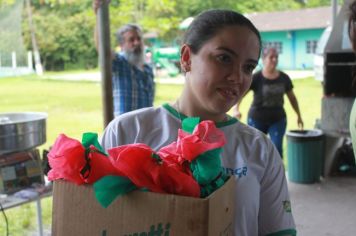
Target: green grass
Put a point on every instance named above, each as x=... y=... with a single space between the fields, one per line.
x=70 y=72
x=75 y=107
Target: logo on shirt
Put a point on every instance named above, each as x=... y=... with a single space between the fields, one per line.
x=239 y=172
x=287 y=206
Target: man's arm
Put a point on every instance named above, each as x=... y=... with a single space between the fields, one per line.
x=96 y=5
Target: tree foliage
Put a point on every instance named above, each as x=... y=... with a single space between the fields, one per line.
x=64 y=28
x=64 y=34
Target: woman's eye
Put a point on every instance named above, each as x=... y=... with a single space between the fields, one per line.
x=249 y=69
x=224 y=58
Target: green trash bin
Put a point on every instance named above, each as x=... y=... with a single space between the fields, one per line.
x=305 y=155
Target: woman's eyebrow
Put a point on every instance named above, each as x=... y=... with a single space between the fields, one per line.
x=253 y=61
x=227 y=50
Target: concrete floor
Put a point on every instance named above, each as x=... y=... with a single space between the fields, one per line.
x=326 y=208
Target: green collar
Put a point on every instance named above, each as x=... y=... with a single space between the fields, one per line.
x=175 y=113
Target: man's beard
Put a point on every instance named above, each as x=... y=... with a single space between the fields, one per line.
x=135 y=56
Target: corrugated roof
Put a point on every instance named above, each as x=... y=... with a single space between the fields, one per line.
x=309 y=18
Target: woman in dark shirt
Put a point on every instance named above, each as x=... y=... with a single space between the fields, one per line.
x=266 y=112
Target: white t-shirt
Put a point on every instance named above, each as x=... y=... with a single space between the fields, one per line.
x=262 y=202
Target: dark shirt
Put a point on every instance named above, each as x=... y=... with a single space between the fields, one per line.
x=267 y=104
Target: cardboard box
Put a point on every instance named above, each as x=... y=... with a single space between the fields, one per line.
x=77 y=212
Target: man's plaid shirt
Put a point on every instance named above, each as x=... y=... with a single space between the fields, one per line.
x=132 y=88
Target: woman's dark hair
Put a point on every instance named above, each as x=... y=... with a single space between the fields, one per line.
x=208 y=23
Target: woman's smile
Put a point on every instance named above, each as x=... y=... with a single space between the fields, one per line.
x=228 y=93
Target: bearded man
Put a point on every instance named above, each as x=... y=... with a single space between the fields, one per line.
x=132 y=78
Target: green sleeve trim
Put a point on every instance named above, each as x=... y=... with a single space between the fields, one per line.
x=181 y=116
x=287 y=232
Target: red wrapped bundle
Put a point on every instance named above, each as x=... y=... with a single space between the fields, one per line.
x=205 y=137
x=100 y=166
x=69 y=160
x=145 y=169
x=166 y=171
x=65 y=160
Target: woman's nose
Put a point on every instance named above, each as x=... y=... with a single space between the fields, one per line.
x=235 y=75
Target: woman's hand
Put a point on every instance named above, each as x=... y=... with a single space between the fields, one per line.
x=300 y=123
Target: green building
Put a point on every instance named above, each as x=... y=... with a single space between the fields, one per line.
x=295 y=34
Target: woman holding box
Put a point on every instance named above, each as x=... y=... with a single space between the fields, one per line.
x=220 y=50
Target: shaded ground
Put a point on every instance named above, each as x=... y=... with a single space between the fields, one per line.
x=327 y=208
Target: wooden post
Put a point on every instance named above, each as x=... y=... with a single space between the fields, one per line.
x=105 y=57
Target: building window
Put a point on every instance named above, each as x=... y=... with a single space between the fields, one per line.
x=273 y=44
x=311 y=46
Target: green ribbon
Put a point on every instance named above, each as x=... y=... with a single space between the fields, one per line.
x=89 y=139
x=109 y=187
x=206 y=168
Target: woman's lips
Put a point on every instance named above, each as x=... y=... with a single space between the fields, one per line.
x=228 y=93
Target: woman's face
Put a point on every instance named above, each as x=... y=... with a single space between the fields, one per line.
x=221 y=72
x=270 y=61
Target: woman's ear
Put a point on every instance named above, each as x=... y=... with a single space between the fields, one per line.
x=185 y=58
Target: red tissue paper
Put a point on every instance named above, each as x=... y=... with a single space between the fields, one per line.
x=165 y=171
x=68 y=159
